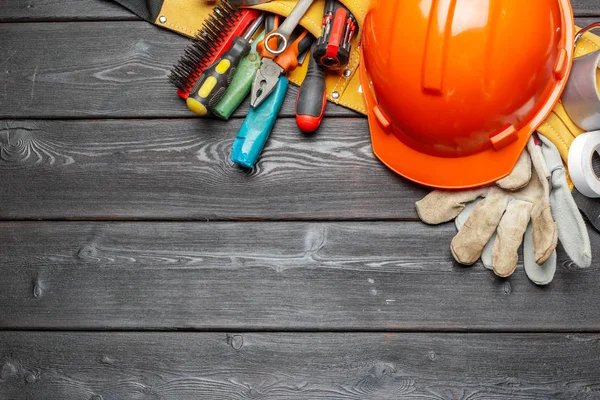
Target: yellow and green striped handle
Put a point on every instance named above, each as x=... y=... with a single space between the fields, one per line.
x=240 y=86
x=215 y=80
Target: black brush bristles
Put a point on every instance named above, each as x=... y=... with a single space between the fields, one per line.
x=205 y=43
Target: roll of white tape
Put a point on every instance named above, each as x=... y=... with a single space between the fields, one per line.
x=580 y=164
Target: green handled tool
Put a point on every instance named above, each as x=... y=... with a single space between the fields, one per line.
x=241 y=84
x=215 y=79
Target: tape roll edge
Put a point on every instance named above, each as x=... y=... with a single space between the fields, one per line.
x=580 y=164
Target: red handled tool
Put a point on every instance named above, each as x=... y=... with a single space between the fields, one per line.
x=312 y=98
x=339 y=27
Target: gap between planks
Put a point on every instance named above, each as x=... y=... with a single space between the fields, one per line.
x=225 y=330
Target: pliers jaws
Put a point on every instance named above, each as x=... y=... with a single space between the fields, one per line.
x=265 y=81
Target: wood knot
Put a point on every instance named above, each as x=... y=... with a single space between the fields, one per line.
x=21 y=145
x=15 y=145
x=507 y=287
x=432 y=356
x=8 y=371
x=384 y=375
x=106 y=360
x=570 y=266
x=147 y=393
x=38 y=289
x=87 y=252
x=384 y=369
x=235 y=341
x=30 y=377
x=96 y=397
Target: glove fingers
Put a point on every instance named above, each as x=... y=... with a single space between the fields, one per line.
x=442 y=206
x=468 y=244
x=520 y=175
x=545 y=237
x=486 y=255
x=464 y=215
x=539 y=274
x=572 y=232
x=510 y=235
x=571 y=228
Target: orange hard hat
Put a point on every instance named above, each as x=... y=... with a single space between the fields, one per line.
x=455 y=88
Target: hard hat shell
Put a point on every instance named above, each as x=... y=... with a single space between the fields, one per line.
x=455 y=88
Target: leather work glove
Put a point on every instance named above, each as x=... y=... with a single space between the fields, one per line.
x=507 y=209
x=572 y=231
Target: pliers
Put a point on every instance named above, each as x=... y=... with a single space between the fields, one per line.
x=272 y=68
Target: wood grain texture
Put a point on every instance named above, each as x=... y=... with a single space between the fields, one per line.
x=319 y=366
x=296 y=276
x=582 y=8
x=96 y=69
x=385 y=276
x=180 y=169
x=36 y=10
x=52 y=10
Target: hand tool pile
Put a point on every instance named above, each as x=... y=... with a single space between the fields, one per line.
x=233 y=56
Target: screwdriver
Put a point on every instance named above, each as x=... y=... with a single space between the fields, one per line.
x=215 y=79
x=312 y=98
x=241 y=84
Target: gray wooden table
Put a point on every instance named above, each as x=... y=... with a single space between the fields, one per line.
x=137 y=263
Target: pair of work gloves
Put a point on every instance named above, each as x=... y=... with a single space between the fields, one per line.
x=533 y=206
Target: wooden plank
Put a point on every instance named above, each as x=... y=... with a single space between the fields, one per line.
x=74 y=366
x=124 y=72
x=291 y=276
x=52 y=10
x=36 y=10
x=180 y=169
x=583 y=8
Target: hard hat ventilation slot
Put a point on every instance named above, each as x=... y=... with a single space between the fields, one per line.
x=504 y=137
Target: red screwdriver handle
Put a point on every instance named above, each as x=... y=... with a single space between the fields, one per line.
x=312 y=98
